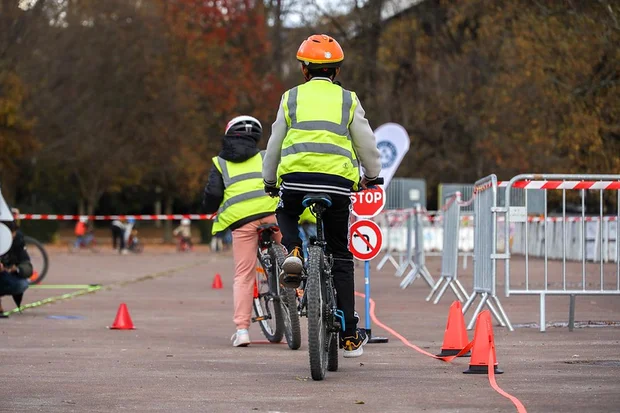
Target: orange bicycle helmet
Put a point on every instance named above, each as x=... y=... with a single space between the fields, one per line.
x=320 y=51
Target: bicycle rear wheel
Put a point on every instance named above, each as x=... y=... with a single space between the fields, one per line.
x=38 y=258
x=332 y=358
x=318 y=338
x=288 y=302
x=267 y=308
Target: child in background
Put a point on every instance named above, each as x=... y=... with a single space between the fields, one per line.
x=83 y=234
x=184 y=233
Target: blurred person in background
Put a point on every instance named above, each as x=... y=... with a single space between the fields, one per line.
x=128 y=232
x=83 y=233
x=15 y=267
x=235 y=192
x=184 y=233
x=118 y=235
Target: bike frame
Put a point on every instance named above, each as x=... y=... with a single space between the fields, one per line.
x=335 y=317
x=265 y=241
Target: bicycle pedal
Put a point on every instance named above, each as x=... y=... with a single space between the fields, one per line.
x=340 y=315
x=261 y=318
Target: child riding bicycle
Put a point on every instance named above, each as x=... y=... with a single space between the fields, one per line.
x=318 y=141
x=184 y=233
x=235 y=191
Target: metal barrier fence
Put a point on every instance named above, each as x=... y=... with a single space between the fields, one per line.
x=598 y=238
x=450 y=252
x=571 y=236
x=417 y=261
x=485 y=252
x=535 y=198
x=392 y=224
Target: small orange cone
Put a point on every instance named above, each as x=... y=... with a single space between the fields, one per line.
x=455 y=337
x=122 y=320
x=484 y=346
x=217 y=282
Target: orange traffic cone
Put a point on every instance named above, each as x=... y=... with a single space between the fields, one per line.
x=217 y=282
x=455 y=337
x=122 y=320
x=483 y=352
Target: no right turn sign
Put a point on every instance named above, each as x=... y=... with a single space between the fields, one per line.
x=365 y=240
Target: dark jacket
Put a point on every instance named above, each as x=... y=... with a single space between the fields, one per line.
x=18 y=256
x=234 y=149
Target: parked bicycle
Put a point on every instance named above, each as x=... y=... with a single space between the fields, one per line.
x=275 y=307
x=318 y=301
x=38 y=258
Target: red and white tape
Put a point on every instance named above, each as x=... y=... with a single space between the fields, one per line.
x=562 y=184
x=52 y=217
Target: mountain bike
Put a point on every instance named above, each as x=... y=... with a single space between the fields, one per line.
x=38 y=259
x=275 y=307
x=318 y=301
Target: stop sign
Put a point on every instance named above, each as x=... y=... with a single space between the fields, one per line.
x=368 y=202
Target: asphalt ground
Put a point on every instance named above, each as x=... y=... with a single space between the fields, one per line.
x=60 y=357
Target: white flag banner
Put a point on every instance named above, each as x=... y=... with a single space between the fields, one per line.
x=6 y=239
x=393 y=144
x=5 y=212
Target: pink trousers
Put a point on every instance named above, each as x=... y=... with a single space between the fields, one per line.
x=245 y=245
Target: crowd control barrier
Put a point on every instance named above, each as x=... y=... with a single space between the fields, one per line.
x=451 y=220
x=485 y=252
x=559 y=240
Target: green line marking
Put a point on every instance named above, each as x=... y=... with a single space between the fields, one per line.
x=54 y=299
x=96 y=287
x=62 y=286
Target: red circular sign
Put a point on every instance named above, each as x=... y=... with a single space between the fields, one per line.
x=369 y=202
x=365 y=239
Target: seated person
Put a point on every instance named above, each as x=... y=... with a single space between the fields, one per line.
x=15 y=267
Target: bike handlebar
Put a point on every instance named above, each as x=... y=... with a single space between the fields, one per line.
x=273 y=191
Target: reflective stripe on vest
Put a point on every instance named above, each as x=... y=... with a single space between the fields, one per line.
x=318 y=115
x=244 y=194
x=339 y=129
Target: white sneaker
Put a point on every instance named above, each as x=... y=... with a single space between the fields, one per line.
x=124 y=252
x=241 y=338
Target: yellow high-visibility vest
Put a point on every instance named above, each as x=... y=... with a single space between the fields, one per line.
x=318 y=115
x=244 y=193
x=307 y=216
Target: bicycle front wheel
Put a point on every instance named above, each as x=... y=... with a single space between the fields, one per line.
x=267 y=309
x=288 y=302
x=318 y=339
x=38 y=258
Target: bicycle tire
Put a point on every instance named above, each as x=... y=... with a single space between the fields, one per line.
x=42 y=272
x=332 y=357
x=317 y=334
x=273 y=333
x=288 y=302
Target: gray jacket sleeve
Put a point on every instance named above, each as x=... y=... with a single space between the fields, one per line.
x=274 y=147
x=365 y=143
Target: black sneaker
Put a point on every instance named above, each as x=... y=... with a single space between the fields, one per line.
x=353 y=345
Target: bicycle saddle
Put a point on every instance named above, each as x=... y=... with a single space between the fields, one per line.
x=264 y=227
x=322 y=199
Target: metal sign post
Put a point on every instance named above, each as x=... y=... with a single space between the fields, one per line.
x=366 y=240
